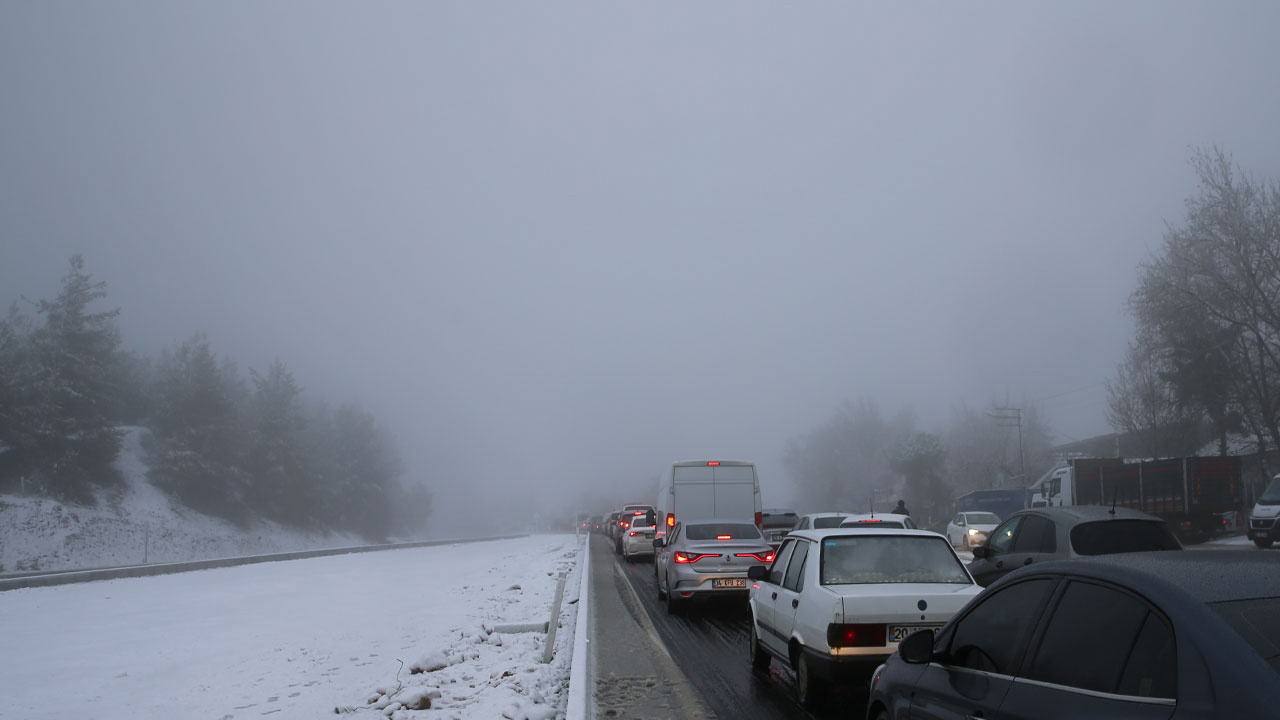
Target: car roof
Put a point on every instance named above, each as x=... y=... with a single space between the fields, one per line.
x=714 y=520
x=1208 y=576
x=824 y=533
x=1085 y=513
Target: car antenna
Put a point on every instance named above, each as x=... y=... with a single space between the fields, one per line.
x=1114 y=491
x=871 y=504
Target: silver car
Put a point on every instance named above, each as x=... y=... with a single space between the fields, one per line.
x=708 y=558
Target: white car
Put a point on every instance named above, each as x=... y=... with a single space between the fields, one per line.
x=637 y=540
x=820 y=521
x=888 y=520
x=968 y=530
x=835 y=603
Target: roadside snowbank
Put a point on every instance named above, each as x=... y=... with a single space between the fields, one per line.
x=138 y=525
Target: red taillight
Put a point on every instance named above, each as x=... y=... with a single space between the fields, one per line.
x=638 y=512
x=766 y=558
x=724 y=537
x=632 y=533
x=714 y=463
x=671 y=520
x=684 y=557
x=839 y=635
x=759 y=519
x=870 y=520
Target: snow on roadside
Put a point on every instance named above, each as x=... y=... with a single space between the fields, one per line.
x=136 y=526
x=302 y=638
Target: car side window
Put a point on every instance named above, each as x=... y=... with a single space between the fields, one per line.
x=804 y=524
x=1036 y=535
x=675 y=533
x=991 y=637
x=779 y=565
x=958 y=520
x=1103 y=639
x=795 y=571
x=1002 y=537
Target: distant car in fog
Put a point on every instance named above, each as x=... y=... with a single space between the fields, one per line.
x=776 y=523
x=969 y=529
x=821 y=520
x=637 y=540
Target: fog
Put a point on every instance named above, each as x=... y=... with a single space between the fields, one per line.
x=554 y=246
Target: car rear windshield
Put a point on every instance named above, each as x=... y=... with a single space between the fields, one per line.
x=861 y=560
x=723 y=531
x=1117 y=536
x=779 y=520
x=1258 y=622
x=640 y=521
x=828 y=522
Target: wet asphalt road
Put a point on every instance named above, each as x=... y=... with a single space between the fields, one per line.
x=709 y=643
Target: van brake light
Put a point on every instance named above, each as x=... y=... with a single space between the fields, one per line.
x=714 y=463
x=671 y=520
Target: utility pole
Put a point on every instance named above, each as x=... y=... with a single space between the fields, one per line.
x=1012 y=417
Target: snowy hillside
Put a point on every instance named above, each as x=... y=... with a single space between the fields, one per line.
x=139 y=524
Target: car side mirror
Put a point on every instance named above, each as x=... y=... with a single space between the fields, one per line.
x=757 y=572
x=917 y=648
x=982 y=552
x=658 y=542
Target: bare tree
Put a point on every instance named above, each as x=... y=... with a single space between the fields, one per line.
x=1142 y=403
x=1211 y=299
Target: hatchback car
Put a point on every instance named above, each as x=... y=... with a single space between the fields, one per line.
x=707 y=558
x=835 y=603
x=637 y=540
x=968 y=529
x=1166 y=635
x=1060 y=533
x=775 y=524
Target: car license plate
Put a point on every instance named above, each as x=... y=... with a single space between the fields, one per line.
x=729 y=583
x=898 y=633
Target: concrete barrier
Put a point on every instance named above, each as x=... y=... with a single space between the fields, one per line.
x=66 y=577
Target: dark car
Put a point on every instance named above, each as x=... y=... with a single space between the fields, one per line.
x=775 y=524
x=1169 y=635
x=1061 y=533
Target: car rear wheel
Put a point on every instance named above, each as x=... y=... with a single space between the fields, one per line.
x=1262 y=543
x=808 y=688
x=759 y=658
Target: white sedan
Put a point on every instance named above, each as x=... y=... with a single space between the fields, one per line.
x=968 y=530
x=835 y=603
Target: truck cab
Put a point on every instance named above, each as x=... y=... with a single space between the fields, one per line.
x=1264 y=519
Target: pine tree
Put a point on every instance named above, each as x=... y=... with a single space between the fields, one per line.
x=278 y=472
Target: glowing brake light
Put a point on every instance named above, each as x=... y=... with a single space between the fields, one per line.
x=714 y=463
x=862 y=635
x=638 y=512
x=766 y=558
x=870 y=520
x=724 y=537
x=684 y=557
x=671 y=520
x=632 y=533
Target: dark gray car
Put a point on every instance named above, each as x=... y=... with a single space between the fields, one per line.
x=1141 y=636
x=1060 y=533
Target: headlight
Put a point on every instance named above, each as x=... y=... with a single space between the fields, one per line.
x=973 y=531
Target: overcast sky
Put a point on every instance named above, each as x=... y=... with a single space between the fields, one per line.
x=558 y=245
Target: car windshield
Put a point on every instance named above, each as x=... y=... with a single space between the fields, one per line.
x=1258 y=622
x=866 y=559
x=1271 y=496
x=723 y=531
x=982 y=518
x=832 y=521
x=1116 y=536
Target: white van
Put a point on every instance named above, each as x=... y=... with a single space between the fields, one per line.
x=720 y=489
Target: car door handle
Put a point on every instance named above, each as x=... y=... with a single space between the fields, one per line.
x=795 y=603
x=1027 y=561
x=775 y=596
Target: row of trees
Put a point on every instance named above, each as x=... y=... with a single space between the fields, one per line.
x=859 y=453
x=236 y=449
x=1206 y=355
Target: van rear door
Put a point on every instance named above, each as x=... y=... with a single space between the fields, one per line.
x=735 y=492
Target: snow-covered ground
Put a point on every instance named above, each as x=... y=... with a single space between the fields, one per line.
x=365 y=635
x=136 y=525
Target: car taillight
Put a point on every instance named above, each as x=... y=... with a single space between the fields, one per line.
x=766 y=558
x=841 y=635
x=724 y=537
x=671 y=520
x=684 y=557
x=632 y=533
x=759 y=519
x=638 y=512
x=714 y=463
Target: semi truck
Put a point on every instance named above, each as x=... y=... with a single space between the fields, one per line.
x=1192 y=494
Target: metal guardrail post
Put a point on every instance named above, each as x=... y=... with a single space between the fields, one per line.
x=555 y=621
